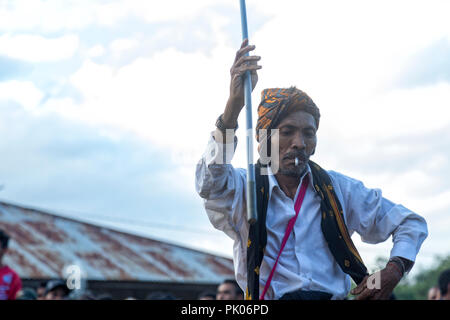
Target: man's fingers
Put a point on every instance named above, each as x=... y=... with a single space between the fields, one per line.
x=366 y=294
x=359 y=288
x=243 y=51
x=247 y=60
x=244 y=68
x=244 y=61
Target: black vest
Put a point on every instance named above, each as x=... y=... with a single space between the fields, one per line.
x=332 y=224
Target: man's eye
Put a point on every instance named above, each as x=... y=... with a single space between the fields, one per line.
x=310 y=133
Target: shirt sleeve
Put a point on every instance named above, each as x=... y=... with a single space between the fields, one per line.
x=222 y=188
x=376 y=218
x=16 y=286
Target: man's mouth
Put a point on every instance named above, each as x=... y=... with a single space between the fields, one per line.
x=299 y=158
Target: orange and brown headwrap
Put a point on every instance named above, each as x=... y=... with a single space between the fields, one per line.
x=276 y=103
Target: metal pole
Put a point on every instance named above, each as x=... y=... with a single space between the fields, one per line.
x=251 y=185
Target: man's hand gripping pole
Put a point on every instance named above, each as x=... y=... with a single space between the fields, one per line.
x=251 y=184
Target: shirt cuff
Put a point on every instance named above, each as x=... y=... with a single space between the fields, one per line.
x=404 y=249
x=219 y=153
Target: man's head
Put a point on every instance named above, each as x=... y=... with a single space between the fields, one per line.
x=434 y=294
x=41 y=290
x=207 y=295
x=26 y=294
x=297 y=118
x=56 y=290
x=444 y=284
x=229 y=290
x=4 y=239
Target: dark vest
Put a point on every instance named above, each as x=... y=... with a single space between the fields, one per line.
x=332 y=224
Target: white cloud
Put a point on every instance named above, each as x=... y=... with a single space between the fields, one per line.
x=47 y=16
x=55 y=15
x=400 y=112
x=123 y=44
x=167 y=99
x=96 y=51
x=35 y=48
x=119 y=47
x=24 y=93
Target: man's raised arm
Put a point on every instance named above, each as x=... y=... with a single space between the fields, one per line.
x=222 y=186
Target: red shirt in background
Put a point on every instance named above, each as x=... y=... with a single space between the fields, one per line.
x=10 y=283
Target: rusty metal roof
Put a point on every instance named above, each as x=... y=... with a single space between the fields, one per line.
x=43 y=244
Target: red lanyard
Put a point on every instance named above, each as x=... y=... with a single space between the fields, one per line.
x=290 y=226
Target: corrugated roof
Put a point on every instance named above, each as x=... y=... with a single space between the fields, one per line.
x=43 y=244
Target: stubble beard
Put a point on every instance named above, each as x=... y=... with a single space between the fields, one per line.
x=293 y=172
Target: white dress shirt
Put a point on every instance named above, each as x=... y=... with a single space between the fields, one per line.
x=306 y=262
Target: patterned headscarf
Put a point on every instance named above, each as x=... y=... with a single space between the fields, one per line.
x=276 y=103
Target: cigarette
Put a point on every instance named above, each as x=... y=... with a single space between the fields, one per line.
x=296 y=161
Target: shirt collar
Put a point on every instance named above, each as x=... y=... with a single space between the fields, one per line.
x=273 y=183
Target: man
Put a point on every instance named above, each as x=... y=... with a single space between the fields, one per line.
x=56 y=290
x=207 y=295
x=229 y=290
x=26 y=294
x=10 y=283
x=301 y=246
x=434 y=294
x=444 y=284
x=40 y=290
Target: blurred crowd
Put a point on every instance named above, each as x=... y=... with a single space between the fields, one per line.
x=11 y=287
x=58 y=290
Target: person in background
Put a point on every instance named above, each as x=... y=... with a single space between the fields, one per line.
x=56 y=290
x=160 y=295
x=229 y=290
x=26 y=294
x=10 y=283
x=434 y=294
x=444 y=284
x=40 y=290
x=207 y=295
x=105 y=296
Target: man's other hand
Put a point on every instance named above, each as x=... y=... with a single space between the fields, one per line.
x=378 y=286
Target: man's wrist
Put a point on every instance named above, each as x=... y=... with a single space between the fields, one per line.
x=223 y=123
x=232 y=110
x=394 y=266
x=399 y=265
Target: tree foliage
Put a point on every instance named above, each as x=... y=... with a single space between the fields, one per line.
x=417 y=287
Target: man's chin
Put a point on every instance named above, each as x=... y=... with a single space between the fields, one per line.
x=293 y=171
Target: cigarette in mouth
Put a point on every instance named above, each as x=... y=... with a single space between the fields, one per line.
x=296 y=161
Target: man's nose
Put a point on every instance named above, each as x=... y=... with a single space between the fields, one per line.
x=298 y=141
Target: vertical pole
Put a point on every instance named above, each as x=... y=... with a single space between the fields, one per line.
x=251 y=185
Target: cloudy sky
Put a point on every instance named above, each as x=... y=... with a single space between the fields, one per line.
x=106 y=106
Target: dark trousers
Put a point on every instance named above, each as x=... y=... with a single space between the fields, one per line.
x=306 y=295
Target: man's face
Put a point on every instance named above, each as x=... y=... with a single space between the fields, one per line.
x=434 y=294
x=40 y=293
x=297 y=138
x=2 y=253
x=56 y=294
x=226 y=291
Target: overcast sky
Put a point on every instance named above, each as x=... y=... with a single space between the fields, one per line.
x=106 y=106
